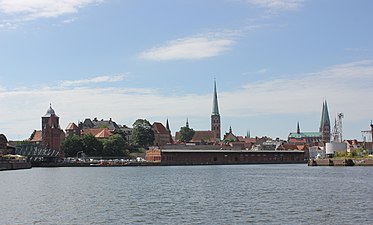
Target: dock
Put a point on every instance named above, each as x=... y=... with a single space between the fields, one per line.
x=341 y=162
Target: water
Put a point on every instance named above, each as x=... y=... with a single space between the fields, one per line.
x=239 y=194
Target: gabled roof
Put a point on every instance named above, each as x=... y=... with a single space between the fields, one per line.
x=246 y=139
x=98 y=132
x=36 y=136
x=207 y=136
x=159 y=128
x=72 y=126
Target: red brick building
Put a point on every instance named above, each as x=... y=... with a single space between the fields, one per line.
x=51 y=135
x=162 y=134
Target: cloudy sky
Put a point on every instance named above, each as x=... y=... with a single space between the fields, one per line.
x=274 y=61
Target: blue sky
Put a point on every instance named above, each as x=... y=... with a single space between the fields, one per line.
x=274 y=61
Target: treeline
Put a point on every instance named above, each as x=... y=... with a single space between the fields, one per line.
x=115 y=145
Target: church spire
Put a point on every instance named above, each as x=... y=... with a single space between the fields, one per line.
x=215 y=107
x=324 y=115
x=167 y=125
x=215 y=116
x=325 y=123
x=298 y=128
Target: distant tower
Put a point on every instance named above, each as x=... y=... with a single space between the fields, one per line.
x=248 y=134
x=325 y=124
x=298 y=128
x=215 y=116
x=52 y=134
x=187 y=123
x=168 y=126
x=169 y=131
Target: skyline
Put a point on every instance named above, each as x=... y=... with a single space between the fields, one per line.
x=274 y=61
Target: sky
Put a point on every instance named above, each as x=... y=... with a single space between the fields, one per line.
x=274 y=62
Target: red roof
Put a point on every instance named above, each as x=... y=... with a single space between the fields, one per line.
x=36 y=136
x=159 y=128
x=207 y=136
x=72 y=126
x=98 y=132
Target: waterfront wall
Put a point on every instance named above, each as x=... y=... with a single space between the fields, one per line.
x=14 y=165
x=341 y=162
x=221 y=157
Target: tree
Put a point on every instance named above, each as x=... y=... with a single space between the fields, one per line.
x=115 y=146
x=142 y=133
x=91 y=146
x=186 y=134
x=72 y=145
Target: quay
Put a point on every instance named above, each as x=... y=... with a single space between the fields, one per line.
x=341 y=162
x=14 y=165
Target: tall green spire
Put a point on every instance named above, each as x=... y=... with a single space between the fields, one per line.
x=324 y=115
x=215 y=107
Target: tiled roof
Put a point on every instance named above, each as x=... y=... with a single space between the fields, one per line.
x=159 y=128
x=98 y=132
x=36 y=136
x=72 y=126
x=207 y=136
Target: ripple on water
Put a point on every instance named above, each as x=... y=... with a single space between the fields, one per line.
x=257 y=194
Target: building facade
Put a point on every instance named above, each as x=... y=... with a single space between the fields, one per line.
x=52 y=134
x=313 y=138
x=162 y=134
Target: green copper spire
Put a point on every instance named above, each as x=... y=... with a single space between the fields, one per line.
x=324 y=116
x=215 y=107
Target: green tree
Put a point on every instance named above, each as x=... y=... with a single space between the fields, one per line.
x=72 y=145
x=115 y=146
x=142 y=133
x=121 y=133
x=186 y=134
x=91 y=146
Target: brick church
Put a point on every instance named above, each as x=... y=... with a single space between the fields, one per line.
x=51 y=135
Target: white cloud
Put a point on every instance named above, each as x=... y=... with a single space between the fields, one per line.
x=95 y=80
x=195 y=47
x=346 y=87
x=18 y=11
x=277 y=5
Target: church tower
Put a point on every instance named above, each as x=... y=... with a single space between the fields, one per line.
x=215 y=116
x=52 y=135
x=325 y=124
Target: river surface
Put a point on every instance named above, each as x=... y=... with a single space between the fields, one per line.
x=234 y=194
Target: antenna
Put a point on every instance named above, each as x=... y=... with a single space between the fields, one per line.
x=337 y=133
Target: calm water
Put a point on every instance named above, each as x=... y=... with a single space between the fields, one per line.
x=241 y=194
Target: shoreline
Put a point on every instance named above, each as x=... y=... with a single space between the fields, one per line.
x=341 y=162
